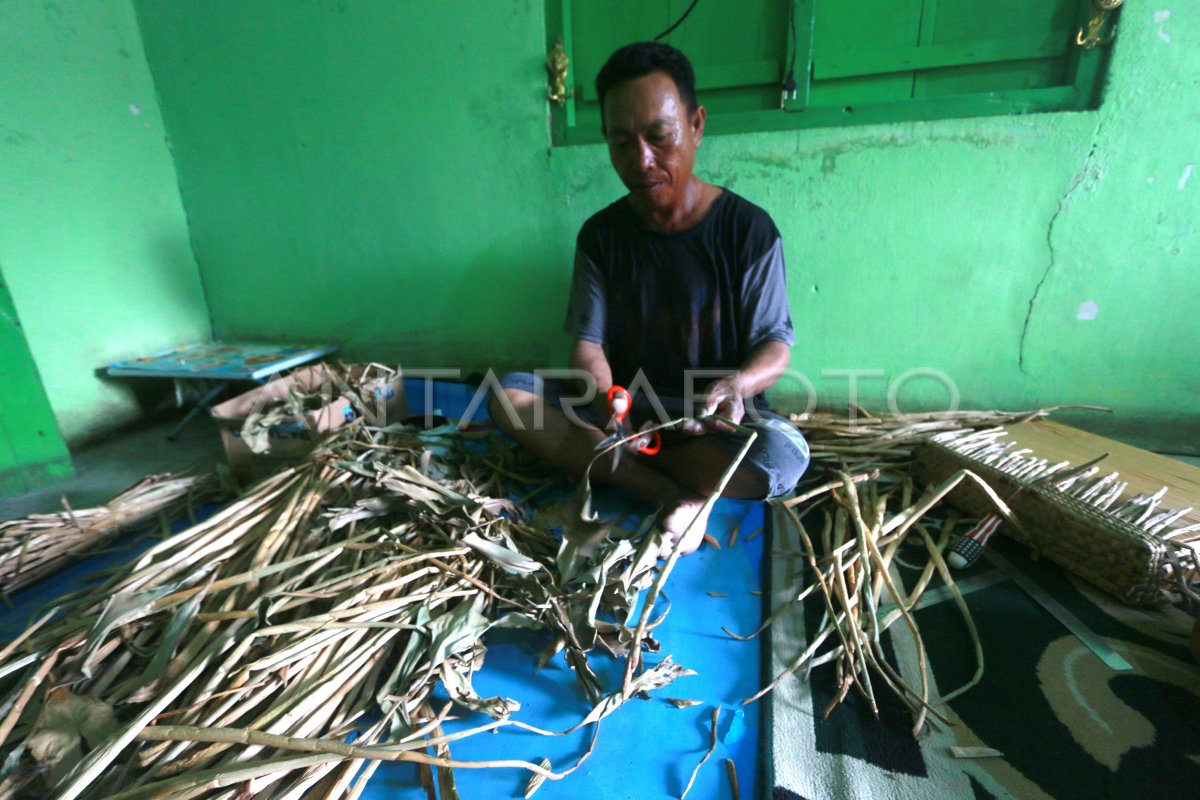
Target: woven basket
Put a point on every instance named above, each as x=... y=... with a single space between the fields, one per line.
x=1111 y=553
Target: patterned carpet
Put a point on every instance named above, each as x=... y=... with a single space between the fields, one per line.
x=1067 y=724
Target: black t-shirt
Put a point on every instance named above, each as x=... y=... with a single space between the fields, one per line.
x=666 y=303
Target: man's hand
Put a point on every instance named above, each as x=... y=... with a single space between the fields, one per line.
x=726 y=398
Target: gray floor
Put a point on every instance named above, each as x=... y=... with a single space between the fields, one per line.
x=105 y=468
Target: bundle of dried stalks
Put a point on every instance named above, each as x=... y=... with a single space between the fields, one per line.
x=236 y=658
x=1104 y=492
x=42 y=544
x=1112 y=508
x=850 y=569
x=862 y=440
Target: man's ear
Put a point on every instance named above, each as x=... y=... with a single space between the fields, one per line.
x=697 y=121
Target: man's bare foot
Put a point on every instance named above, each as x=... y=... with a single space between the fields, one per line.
x=676 y=522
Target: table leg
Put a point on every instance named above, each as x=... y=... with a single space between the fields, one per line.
x=203 y=405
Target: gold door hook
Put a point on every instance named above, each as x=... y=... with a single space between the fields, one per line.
x=1095 y=26
x=556 y=66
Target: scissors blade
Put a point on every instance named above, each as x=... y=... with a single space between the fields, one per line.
x=617 y=435
x=607 y=441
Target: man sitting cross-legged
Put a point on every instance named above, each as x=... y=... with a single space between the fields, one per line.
x=675 y=283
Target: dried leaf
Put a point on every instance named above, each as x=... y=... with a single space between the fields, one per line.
x=166 y=649
x=509 y=560
x=731 y=771
x=121 y=609
x=66 y=723
x=679 y=703
x=975 y=752
x=457 y=629
x=536 y=780
x=656 y=677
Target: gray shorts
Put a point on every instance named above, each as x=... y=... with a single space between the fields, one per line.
x=779 y=453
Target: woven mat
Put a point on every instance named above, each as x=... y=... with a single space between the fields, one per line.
x=1068 y=726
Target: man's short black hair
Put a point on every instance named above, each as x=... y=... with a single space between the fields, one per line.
x=642 y=58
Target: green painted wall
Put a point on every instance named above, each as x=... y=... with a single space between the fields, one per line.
x=378 y=174
x=32 y=452
x=93 y=236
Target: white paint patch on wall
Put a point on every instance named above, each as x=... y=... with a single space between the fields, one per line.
x=1160 y=19
x=1186 y=176
x=1088 y=310
x=133 y=109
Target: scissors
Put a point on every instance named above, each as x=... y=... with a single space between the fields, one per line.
x=619 y=403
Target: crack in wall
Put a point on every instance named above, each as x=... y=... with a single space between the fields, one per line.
x=1064 y=202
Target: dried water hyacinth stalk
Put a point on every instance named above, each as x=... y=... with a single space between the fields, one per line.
x=712 y=745
x=850 y=569
x=42 y=544
x=866 y=440
x=236 y=657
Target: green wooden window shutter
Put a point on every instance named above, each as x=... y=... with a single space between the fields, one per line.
x=737 y=49
x=886 y=50
x=856 y=61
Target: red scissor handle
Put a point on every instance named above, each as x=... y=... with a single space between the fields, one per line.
x=654 y=446
x=619 y=402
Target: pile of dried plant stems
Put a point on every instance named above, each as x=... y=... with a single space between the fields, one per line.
x=42 y=544
x=850 y=561
x=861 y=440
x=289 y=644
x=850 y=568
x=236 y=658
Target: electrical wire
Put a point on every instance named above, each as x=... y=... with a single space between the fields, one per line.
x=678 y=22
x=795 y=39
x=789 y=81
x=790 y=78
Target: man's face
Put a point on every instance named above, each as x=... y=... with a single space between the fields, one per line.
x=652 y=139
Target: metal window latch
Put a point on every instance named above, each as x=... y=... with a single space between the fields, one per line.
x=556 y=67
x=1095 y=25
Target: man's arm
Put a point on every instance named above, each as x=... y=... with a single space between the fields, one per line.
x=590 y=357
x=761 y=369
x=767 y=320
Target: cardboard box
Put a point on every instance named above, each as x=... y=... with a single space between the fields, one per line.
x=294 y=437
